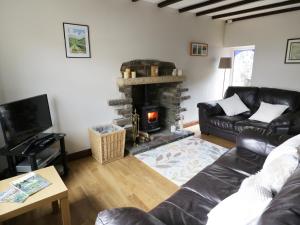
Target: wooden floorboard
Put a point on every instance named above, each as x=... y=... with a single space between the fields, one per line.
x=93 y=187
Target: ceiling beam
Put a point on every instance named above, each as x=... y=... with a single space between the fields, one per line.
x=264 y=7
x=265 y=14
x=199 y=5
x=224 y=7
x=167 y=2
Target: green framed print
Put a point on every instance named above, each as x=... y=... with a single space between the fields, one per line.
x=77 y=40
x=292 y=51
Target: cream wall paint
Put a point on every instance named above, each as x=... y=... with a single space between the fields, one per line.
x=269 y=35
x=32 y=56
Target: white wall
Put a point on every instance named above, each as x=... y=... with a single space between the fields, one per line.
x=269 y=35
x=32 y=56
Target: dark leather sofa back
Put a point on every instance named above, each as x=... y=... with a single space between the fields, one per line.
x=284 y=209
x=281 y=97
x=249 y=95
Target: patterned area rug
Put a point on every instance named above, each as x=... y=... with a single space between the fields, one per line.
x=181 y=160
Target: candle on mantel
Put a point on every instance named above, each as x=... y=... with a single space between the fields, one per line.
x=126 y=75
x=133 y=74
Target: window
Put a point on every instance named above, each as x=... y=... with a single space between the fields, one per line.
x=242 y=66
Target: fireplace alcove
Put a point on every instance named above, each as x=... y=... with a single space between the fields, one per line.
x=143 y=102
x=157 y=100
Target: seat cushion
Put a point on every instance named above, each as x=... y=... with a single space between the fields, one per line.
x=185 y=207
x=242 y=161
x=225 y=122
x=215 y=182
x=260 y=127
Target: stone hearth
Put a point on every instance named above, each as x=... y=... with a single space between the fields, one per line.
x=158 y=139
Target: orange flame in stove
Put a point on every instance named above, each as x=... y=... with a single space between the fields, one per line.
x=152 y=117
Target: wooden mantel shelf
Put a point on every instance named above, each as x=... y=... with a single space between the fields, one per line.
x=150 y=80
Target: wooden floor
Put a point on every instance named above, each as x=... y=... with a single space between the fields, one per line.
x=93 y=187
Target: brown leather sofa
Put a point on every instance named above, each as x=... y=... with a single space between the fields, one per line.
x=191 y=204
x=214 y=121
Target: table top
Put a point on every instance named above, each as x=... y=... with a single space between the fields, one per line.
x=57 y=190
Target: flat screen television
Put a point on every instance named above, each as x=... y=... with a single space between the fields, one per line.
x=24 y=119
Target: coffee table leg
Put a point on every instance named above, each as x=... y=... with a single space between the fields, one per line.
x=65 y=211
x=55 y=207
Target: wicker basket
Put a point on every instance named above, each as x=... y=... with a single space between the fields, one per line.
x=108 y=144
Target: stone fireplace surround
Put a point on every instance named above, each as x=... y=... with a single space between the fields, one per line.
x=166 y=92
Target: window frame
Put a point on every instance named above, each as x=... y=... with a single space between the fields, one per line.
x=233 y=49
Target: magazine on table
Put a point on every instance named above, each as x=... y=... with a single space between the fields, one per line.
x=23 y=187
x=12 y=194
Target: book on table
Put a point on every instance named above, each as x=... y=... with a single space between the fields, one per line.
x=23 y=187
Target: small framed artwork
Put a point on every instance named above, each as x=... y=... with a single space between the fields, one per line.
x=77 y=40
x=198 y=49
x=292 y=54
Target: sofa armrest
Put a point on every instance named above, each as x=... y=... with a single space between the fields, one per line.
x=281 y=124
x=126 y=216
x=260 y=143
x=295 y=124
x=208 y=109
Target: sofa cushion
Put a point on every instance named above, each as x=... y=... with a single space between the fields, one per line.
x=185 y=207
x=215 y=182
x=281 y=97
x=126 y=216
x=242 y=161
x=243 y=207
x=260 y=127
x=249 y=95
x=268 y=112
x=233 y=105
x=285 y=208
x=225 y=122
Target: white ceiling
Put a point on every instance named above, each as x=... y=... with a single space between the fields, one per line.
x=185 y=3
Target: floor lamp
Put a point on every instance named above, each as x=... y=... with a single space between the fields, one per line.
x=225 y=63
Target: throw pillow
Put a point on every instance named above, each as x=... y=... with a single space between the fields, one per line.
x=268 y=112
x=281 y=164
x=233 y=105
x=244 y=207
x=293 y=142
x=276 y=173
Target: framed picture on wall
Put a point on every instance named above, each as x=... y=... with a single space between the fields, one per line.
x=292 y=51
x=198 y=49
x=77 y=40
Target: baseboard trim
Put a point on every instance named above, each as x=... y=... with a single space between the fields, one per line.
x=79 y=155
x=192 y=123
x=88 y=152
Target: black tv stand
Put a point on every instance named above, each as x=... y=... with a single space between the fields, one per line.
x=31 y=148
x=39 y=142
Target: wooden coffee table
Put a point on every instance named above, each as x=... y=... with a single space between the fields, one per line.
x=56 y=193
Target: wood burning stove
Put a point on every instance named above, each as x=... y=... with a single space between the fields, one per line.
x=147 y=108
x=150 y=118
